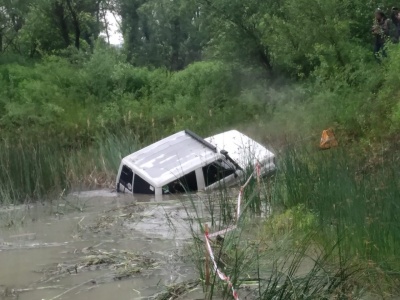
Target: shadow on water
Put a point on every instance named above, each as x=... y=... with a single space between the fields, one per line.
x=95 y=245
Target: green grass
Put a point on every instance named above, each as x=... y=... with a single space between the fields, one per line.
x=333 y=230
x=264 y=264
x=360 y=207
x=33 y=170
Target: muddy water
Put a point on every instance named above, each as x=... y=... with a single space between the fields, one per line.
x=94 y=245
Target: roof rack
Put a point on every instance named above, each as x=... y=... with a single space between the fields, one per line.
x=201 y=140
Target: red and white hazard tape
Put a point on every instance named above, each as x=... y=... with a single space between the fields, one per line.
x=220 y=274
x=230 y=228
x=258 y=170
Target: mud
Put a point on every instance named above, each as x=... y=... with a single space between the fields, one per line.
x=96 y=245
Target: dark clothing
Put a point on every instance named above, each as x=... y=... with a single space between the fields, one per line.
x=397 y=26
x=393 y=28
x=394 y=25
x=379 y=50
x=381 y=31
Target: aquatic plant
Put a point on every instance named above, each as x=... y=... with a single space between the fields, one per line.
x=33 y=170
x=359 y=206
x=331 y=230
x=263 y=264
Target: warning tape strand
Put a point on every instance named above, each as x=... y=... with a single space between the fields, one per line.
x=220 y=274
x=222 y=231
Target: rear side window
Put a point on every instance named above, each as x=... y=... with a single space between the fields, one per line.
x=187 y=183
x=126 y=177
x=141 y=186
x=216 y=171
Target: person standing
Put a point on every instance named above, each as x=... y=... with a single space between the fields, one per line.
x=380 y=31
x=394 y=25
x=398 y=23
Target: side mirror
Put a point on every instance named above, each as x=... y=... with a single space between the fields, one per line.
x=224 y=152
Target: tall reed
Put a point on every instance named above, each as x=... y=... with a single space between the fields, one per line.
x=333 y=230
x=32 y=170
x=263 y=264
x=357 y=205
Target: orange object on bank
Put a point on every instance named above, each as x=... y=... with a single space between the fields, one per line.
x=328 y=139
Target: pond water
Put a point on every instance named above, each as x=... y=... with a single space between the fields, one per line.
x=95 y=245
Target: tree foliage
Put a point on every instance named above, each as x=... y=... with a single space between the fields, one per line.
x=202 y=64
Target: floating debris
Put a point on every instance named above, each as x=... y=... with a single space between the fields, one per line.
x=177 y=290
x=122 y=264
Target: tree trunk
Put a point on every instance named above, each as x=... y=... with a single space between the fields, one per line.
x=265 y=60
x=104 y=15
x=75 y=22
x=175 y=43
x=60 y=19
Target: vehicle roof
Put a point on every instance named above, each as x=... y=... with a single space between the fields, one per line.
x=170 y=158
x=183 y=152
x=242 y=149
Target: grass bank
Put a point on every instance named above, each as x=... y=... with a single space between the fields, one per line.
x=354 y=200
x=325 y=227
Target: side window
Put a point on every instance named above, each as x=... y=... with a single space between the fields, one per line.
x=141 y=186
x=216 y=171
x=126 y=177
x=187 y=183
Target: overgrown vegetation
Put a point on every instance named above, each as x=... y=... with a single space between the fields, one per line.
x=32 y=169
x=355 y=206
x=282 y=69
x=331 y=232
x=289 y=263
x=71 y=105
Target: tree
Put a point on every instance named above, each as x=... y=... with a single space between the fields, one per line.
x=162 y=33
x=40 y=26
x=292 y=37
x=238 y=30
x=12 y=19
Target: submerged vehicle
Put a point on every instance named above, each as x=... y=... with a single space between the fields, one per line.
x=185 y=162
